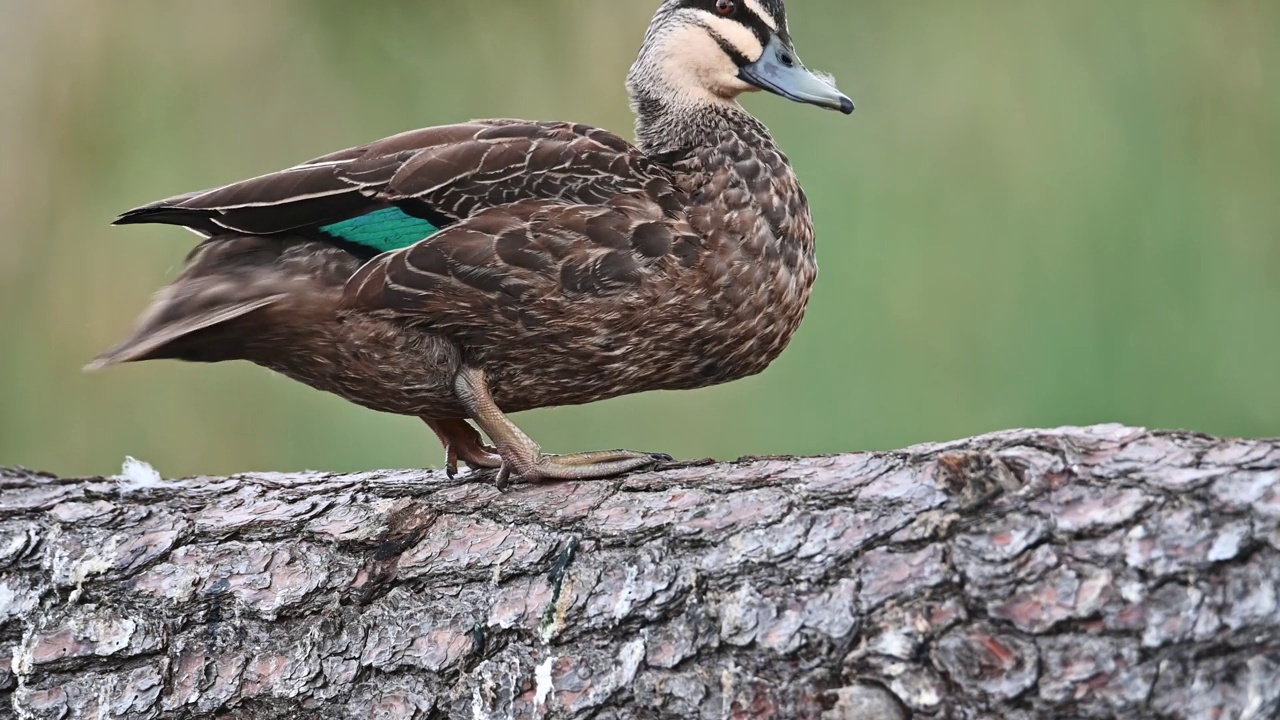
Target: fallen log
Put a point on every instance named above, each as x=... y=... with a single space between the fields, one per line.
x=1103 y=572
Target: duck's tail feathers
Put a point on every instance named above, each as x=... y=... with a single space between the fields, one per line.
x=165 y=331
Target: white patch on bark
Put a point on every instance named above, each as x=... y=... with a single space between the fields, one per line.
x=109 y=635
x=17 y=541
x=24 y=659
x=477 y=705
x=542 y=678
x=65 y=571
x=628 y=595
x=727 y=688
x=7 y=599
x=629 y=660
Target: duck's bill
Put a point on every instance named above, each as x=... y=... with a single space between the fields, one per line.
x=780 y=72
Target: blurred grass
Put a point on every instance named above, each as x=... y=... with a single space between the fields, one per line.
x=1042 y=213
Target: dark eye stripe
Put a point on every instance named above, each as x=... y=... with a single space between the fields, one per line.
x=742 y=14
x=729 y=48
x=748 y=17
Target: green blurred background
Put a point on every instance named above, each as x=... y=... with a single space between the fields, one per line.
x=1043 y=213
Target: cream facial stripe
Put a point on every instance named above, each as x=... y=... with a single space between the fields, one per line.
x=696 y=65
x=755 y=7
x=736 y=34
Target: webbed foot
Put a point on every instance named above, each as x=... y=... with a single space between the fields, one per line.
x=535 y=466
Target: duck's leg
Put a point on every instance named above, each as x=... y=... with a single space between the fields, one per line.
x=462 y=442
x=522 y=456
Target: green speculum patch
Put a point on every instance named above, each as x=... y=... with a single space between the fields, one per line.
x=382 y=230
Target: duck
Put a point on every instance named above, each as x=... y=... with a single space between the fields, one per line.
x=462 y=273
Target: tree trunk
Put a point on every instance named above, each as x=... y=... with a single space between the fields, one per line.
x=1103 y=572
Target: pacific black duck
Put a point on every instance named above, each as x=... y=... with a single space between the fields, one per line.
x=467 y=271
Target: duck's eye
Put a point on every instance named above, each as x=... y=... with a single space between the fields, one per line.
x=726 y=7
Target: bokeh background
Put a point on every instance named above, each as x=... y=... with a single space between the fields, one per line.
x=1042 y=213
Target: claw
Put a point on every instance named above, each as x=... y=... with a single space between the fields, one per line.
x=450 y=462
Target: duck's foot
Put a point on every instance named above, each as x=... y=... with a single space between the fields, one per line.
x=522 y=457
x=577 y=466
x=462 y=442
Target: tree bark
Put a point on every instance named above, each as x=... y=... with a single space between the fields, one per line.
x=1103 y=572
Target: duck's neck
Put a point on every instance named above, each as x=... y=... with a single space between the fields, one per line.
x=671 y=125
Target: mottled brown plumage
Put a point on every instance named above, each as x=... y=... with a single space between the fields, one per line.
x=569 y=266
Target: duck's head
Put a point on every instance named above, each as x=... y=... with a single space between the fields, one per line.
x=714 y=50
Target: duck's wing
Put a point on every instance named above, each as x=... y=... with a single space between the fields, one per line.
x=534 y=271
x=394 y=192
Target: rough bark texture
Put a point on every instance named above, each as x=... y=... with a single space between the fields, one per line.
x=1079 y=573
